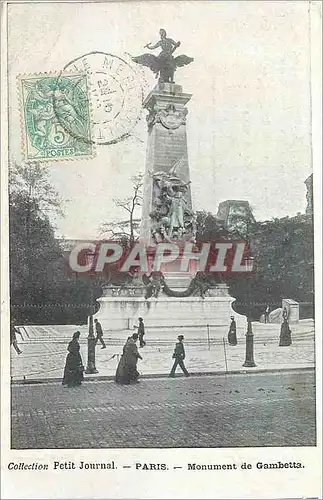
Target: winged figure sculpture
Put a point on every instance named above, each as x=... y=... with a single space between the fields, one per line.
x=165 y=64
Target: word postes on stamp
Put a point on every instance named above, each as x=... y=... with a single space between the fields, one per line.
x=116 y=95
x=55 y=116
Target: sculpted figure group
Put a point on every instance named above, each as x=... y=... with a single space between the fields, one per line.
x=155 y=283
x=172 y=217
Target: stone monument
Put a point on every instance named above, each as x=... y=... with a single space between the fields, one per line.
x=173 y=299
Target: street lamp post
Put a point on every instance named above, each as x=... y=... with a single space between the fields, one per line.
x=249 y=361
x=91 y=368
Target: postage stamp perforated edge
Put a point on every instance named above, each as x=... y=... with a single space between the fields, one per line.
x=24 y=133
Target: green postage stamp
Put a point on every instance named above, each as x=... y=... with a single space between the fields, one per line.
x=55 y=116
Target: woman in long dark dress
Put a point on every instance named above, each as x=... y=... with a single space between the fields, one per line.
x=232 y=335
x=285 y=334
x=127 y=372
x=73 y=372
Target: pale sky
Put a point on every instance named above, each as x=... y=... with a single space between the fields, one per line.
x=249 y=117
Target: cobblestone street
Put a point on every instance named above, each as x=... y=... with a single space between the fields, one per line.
x=272 y=409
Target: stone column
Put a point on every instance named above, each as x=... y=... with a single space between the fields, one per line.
x=167 y=144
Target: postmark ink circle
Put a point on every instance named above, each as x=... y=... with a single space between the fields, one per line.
x=115 y=94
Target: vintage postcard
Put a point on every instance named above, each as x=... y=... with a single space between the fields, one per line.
x=160 y=249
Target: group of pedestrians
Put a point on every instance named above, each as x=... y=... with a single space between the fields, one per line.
x=127 y=372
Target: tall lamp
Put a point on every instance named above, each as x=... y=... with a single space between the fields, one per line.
x=249 y=361
x=91 y=368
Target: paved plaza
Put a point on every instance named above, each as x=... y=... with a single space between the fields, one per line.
x=253 y=409
x=44 y=350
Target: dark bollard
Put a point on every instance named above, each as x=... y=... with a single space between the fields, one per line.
x=249 y=362
x=285 y=338
x=91 y=349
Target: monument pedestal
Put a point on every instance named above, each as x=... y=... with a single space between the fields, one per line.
x=120 y=309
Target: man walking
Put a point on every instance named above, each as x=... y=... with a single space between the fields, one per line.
x=141 y=332
x=99 y=334
x=267 y=314
x=179 y=356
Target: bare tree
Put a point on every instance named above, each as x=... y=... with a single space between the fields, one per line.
x=127 y=229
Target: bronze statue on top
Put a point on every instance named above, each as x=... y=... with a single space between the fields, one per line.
x=164 y=65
